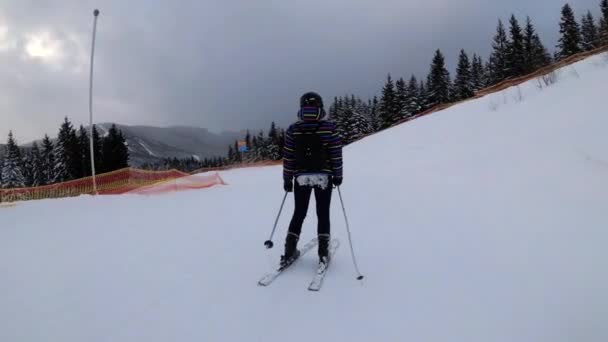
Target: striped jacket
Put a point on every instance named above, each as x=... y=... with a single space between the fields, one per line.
x=311 y=121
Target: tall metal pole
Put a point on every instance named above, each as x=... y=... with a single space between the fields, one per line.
x=95 y=14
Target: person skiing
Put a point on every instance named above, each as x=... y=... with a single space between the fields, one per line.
x=312 y=155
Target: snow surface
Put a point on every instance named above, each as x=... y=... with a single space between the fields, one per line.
x=484 y=222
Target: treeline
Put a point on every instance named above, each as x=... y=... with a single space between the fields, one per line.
x=517 y=50
x=67 y=158
x=260 y=147
x=253 y=148
x=186 y=164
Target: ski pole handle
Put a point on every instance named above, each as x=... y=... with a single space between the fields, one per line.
x=268 y=243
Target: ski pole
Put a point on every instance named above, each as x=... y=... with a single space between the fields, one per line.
x=352 y=251
x=268 y=243
x=92 y=150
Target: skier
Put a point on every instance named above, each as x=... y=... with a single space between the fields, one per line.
x=312 y=155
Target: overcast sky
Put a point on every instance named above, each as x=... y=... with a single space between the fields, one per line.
x=228 y=64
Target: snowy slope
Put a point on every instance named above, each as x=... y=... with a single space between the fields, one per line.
x=484 y=222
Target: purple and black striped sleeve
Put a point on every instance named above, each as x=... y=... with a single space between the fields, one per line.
x=289 y=156
x=333 y=142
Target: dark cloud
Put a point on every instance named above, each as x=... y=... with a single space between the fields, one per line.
x=228 y=64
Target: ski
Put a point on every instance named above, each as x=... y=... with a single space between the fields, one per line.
x=317 y=280
x=270 y=277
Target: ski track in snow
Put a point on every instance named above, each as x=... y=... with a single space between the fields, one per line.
x=478 y=223
x=142 y=144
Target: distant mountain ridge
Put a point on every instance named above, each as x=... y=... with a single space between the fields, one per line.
x=148 y=144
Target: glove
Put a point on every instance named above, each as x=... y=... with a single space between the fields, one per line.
x=337 y=181
x=288 y=185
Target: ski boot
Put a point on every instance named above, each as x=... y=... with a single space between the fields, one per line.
x=291 y=252
x=324 y=249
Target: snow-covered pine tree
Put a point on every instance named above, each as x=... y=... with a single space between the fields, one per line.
x=342 y=117
x=529 y=33
x=401 y=97
x=254 y=153
x=603 y=26
x=115 y=151
x=603 y=32
x=589 y=33
x=84 y=152
x=37 y=166
x=570 y=40
x=273 y=133
x=413 y=104
x=333 y=111
x=281 y=141
x=12 y=167
x=333 y=108
x=423 y=96
x=48 y=161
x=515 y=51
x=477 y=73
x=238 y=156
x=487 y=74
x=97 y=149
x=364 y=108
x=274 y=145
x=497 y=66
x=248 y=140
x=387 y=110
x=543 y=57
x=230 y=154
x=75 y=160
x=1 y=168
x=536 y=55
x=463 y=83
x=262 y=152
x=373 y=118
x=122 y=151
x=337 y=116
x=345 y=113
x=27 y=165
x=438 y=81
x=62 y=153
x=357 y=125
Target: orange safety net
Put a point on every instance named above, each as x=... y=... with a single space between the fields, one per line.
x=112 y=183
x=179 y=184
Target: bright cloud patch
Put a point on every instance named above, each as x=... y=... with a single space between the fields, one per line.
x=43 y=46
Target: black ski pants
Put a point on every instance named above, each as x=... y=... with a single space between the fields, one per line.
x=302 y=199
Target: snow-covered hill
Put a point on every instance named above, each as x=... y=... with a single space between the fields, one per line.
x=483 y=222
